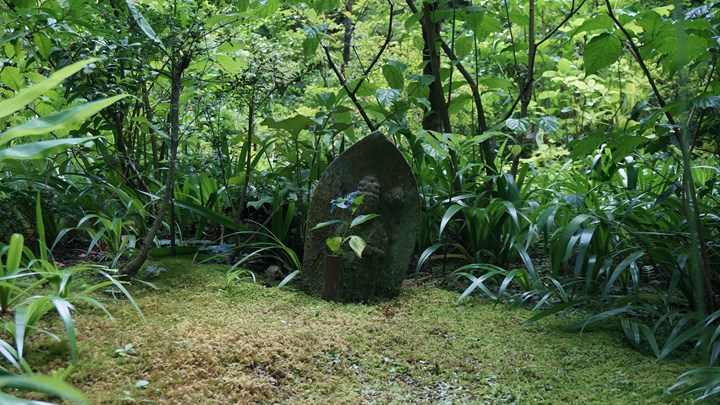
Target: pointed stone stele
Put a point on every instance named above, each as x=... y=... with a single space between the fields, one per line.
x=376 y=168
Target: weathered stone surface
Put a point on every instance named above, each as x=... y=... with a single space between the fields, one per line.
x=376 y=168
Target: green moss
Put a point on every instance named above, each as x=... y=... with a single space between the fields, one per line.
x=203 y=343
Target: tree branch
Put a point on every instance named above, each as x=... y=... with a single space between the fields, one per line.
x=526 y=86
x=636 y=54
x=351 y=94
x=388 y=37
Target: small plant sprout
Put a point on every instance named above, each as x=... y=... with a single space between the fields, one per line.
x=351 y=202
x=127 y=350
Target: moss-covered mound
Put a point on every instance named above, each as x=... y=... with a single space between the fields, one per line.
x=203 y=343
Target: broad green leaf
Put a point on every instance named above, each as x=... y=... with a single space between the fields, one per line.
x=387 y=96
x=423 y=80
x=10 y=77
x=432 y=146
x=653 y=27
x=214 y=20
x=142 y=23
x=464 y=46
x=367 y=89
x=482 y=23
x=41 y=149
x=548 y=124
x=357 y=244
x=495 y=82
x=315 y=31
x=58 y=120
x=707 y=101
x=242 y=5
x=402 y=67
x=9 y=49
x=623 y=143
x=310 y=45
x=584 y=146
x=394 y=76
x=565 y=66
x=460 y=102
x=598 y=22
x=602 y=51
x=361 y=219
x=267 y=9
x=334 y=243
x=11 y=37
x=324 y=5
x=44 y=46
x=294 y=125
x=413 y=20
x=518 y=126
x=229 y=64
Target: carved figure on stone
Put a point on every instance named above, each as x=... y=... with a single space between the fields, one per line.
x=374 y=235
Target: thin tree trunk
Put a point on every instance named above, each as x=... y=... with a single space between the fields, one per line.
x=153 y=138
x=248 y=162
x=347 y=37
x=527 y=87
x=487 y=147
x=178 y=68
x=439 y=117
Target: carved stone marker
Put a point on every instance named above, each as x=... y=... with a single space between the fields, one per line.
x=376 y=168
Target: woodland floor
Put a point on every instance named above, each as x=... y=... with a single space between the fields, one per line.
x=204 y=343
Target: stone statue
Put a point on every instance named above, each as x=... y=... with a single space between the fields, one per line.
x=375 y=169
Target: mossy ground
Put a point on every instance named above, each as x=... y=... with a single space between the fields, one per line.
x=203 y=343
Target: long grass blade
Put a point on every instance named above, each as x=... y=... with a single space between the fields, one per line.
x=45 y=385
x=27 y=95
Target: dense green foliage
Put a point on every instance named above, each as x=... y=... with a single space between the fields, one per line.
x=566 y=151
